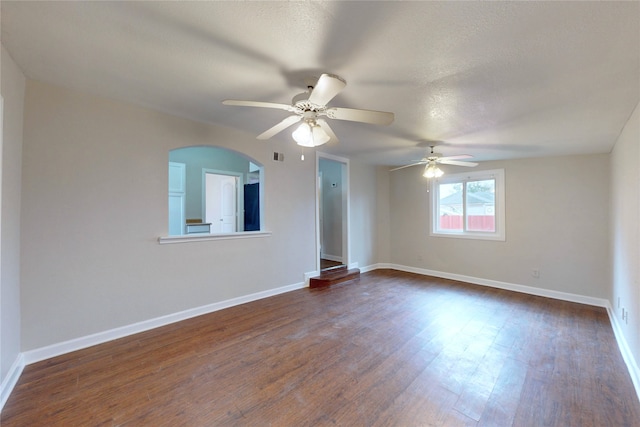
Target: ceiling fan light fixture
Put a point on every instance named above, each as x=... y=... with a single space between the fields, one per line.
x=310 y=135
x=432 y=171
x=302 y=135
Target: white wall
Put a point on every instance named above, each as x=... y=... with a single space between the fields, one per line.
x=12 y=89
x=363 y=214
x=383 y=215
x=556 y=219
x=625 y=237
x=95 y=202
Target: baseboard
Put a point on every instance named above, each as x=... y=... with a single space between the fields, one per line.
x=378 y=266
x=330 y=257
x=564 y=296
x=10 y=381
x=308 y=276
x=625 y=350
x=36 y=355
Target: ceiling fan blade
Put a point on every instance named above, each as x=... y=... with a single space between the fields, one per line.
x=458 y=157
x=258 y=104
x=326 y=89
x=279 y=127
x=364 y=116
x=457 y=163
x=325 y=126
x=407 y=166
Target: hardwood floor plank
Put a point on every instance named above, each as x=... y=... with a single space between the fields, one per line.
x=477 y=391
x=505 y=396
x=391 y=349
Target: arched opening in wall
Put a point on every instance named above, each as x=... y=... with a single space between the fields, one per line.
x=214 y=190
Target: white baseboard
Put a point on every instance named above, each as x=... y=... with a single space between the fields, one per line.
x=377 y=266
x=57 y=349
x=564 y=296
x=10 y=381
x=308 y=276
x=625 y=350
x=330 y=257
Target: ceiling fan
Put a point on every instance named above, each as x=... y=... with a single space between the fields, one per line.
x=433 y=159
x=310 y=107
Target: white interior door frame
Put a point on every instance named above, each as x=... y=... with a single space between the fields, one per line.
x=320 y=211
x=177 y=194
x=2 y=396
x=346 y=217
x=239 y=194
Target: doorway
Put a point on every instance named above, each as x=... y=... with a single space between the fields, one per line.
x=332 y=230
x=222 y=191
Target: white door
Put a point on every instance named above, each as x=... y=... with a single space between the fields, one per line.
x=220 y=202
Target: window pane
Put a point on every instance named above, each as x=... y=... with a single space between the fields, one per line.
x=481 y=205
x=450 y=207
x=469 y=205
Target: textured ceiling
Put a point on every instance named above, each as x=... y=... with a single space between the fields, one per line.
x=495 y=80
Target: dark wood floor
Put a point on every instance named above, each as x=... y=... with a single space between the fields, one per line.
x=325 y=263
x=388 y=349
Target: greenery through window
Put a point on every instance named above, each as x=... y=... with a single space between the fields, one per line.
x=469 y=205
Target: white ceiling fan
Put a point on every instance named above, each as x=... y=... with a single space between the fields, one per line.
x=310 y=107
x=433 y=159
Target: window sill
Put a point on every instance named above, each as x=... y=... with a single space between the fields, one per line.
x=473 y=236
x=188 y=238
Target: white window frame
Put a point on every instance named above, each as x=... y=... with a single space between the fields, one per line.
x=463 y=178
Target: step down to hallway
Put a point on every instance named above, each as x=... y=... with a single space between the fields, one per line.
x=333 y=276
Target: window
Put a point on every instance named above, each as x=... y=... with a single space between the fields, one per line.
x=469 y=205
